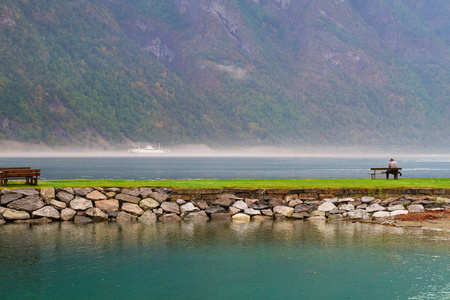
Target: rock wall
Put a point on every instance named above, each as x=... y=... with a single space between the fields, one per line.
x=146 y=204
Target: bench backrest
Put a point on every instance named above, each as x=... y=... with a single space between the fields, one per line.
x=15 y=168
x=20 y=173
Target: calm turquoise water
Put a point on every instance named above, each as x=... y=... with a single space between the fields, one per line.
x=167 y=167
x=214 y=260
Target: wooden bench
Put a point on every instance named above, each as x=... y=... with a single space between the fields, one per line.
x=376 y=171
x=30 y=175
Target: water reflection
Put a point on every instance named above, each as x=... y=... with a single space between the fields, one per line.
x=269 y=259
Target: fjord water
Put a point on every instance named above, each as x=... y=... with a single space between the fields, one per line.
x=168 y=167
x=229 y=260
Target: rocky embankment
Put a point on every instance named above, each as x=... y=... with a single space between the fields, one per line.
x=145 y=204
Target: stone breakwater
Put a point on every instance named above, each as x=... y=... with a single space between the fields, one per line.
x=145 y=204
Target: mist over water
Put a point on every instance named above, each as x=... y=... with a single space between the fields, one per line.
x=204 y=163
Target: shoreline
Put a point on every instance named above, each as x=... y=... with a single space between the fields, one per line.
x=415 y=208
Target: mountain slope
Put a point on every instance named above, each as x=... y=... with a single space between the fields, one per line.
x=225 y=72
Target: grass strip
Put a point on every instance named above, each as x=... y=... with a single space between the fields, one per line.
x=249 y=183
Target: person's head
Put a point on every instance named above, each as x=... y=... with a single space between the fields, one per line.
x=391 y=159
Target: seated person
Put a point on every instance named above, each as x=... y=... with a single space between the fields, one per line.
x=393 y=164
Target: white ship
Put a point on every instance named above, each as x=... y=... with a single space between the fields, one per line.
x=149 y=149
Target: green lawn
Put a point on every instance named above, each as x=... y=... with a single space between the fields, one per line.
x=252 y=183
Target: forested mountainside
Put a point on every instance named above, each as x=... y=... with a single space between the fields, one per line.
x=230 y=72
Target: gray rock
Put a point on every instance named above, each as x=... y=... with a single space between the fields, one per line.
x=64 y=196
x=214 y=209
x=199 y=215
x=305 y=208
x=113 y=190
x=7 y=198
x=149 y=204
x=399 y=212
x=145 y=192
x=132 y=209
x=346 y=200
x=80 y=203
x=125 y=217
x=381 y=214
x=234 y=210
x=82 y=191
x=331 y=200
x=59 y=205
x=375 y=207
x=26 y=192
x=12 y=214
x=180 y=202
x=295 y=202
x=170 y=207
x=96 y=195
x=317 y=213
x=224 y=201
x=327 y=206
x=107 y=205
x=283 y=211
x=47 y=212
x=158 y=211
x=159 y=195
x=29 y=204
x=259 y=206
x=96 y=214
x=47 y=194
x=346 y=207
x=396 y=207
x=367 y=199
x=267 y=212
x=241 y=217
x=67 y=214
x=241 y=205
x=201 y=204
x=148 y=217
x=132 y=192
x=411 y=208
x=252 y=212
x=358 y=214
x=128 y=198
x=275 y=202
x=69 y=190
x=188 y=208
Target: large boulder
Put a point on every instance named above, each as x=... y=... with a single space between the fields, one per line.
x=188 y=208
x=128 y=198
x=132 y=192
x=381 y=214
x=80 y=203
x=170 y=217
x=64 y=196
x=149 y=204
x=82 y=191
x=12 y=214
x=252 y=212
x=28 y=204
x=375 y=207
x=58 y=204
x=26 y=192
x=283 y=211
x=67 y=214
x=7 y=198
x=132 y=209
x=240 y=217
x=96 y=195
x=194 y=216
x=327 y=206
x=107 y=205
x=416 y=208
x=241 y=205
x=170 y=207
x=159 y=195
x=96 y=214
x=46 y=212
x=47 y=194
x=125 y=217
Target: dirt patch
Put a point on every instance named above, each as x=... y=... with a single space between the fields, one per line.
x=433 y=220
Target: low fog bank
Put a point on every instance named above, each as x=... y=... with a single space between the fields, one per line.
x=27 y=150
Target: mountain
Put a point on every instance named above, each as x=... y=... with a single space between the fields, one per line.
x=97 y=73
